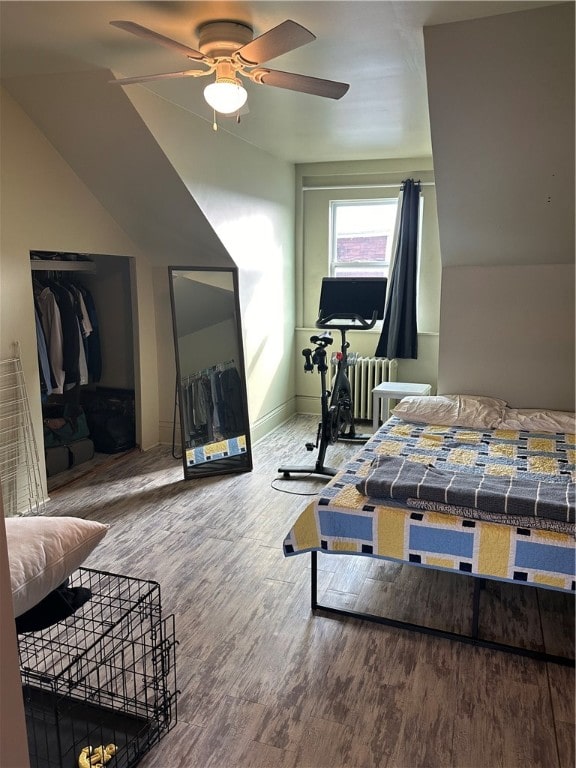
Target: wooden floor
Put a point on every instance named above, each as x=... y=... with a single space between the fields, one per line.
x=265 y=683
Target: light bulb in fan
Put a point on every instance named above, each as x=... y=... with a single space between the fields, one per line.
x=226 y=95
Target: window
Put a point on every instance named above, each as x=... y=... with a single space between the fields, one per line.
x=361 y=234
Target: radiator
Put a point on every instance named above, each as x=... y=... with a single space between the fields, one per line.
x=364 y=375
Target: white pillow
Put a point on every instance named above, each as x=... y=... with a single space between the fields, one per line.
x=538 y=420
x=474 y=411
x=44 y=551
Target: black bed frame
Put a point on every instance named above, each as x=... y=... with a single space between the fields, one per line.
x=471 y=639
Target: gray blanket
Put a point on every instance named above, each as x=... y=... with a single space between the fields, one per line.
x=402 y=479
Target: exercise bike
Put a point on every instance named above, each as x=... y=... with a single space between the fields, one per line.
x=337 y=406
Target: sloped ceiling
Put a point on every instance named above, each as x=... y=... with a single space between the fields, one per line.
x=110 y=148
x=57 y=59
x=375 y=46
x=503 y=132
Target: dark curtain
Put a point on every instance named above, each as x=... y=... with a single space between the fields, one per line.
x=399 y=337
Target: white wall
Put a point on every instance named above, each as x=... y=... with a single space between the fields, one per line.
x=248 y=198
x=501 y=95
x=103 y=143
x=45 y=206
x=522 y=348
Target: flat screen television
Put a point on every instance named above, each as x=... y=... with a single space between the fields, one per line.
x=345 y=296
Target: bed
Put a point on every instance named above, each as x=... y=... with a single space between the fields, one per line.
x=456 y=484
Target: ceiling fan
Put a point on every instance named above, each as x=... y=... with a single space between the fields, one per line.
x=227 y=48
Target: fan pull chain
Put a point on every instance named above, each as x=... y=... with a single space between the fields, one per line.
x=215 y=122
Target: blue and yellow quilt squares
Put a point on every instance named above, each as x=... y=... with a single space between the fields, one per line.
x=499 y=452
x=220 y=449
x=341 y=520
x=508 y=553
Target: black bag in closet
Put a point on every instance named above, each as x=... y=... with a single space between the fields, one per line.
x=110 y=415
x=111 y=433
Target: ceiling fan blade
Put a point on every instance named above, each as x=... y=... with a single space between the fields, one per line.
x=278 y=40
x=156 y=37
x=303 y=83
x=164 y=76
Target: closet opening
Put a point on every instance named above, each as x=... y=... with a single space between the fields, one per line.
x=85 y=336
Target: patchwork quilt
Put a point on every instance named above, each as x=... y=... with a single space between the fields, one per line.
x=506 y=541
x=220 y=449
x=402 y=479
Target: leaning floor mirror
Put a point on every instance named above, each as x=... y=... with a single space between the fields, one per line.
x=211 y=382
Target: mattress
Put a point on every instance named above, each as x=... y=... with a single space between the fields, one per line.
x=508 y=547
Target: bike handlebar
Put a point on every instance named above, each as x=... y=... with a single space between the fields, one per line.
x=358 y=322
x=323 y=340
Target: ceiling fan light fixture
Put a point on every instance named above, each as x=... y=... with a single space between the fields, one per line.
x=229 y=48
x=226 y=95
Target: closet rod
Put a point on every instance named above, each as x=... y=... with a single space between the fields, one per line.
x=47 y=265
x=212 y=369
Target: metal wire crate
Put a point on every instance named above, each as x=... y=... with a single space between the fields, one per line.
x=106 y=674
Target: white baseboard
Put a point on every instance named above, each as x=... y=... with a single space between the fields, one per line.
x=272 y=420
x=308 y=405
x=259 y=429
x=165 y=430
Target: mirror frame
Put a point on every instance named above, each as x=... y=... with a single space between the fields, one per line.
x=240 y=462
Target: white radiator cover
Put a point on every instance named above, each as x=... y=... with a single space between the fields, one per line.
x=364 y=375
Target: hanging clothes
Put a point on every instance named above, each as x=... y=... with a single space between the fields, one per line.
x=70 y=324
x=232 y=409
x=211 y=402
x=70 y=340
x=92 y=340
x=52 y=325
x=46 y=387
